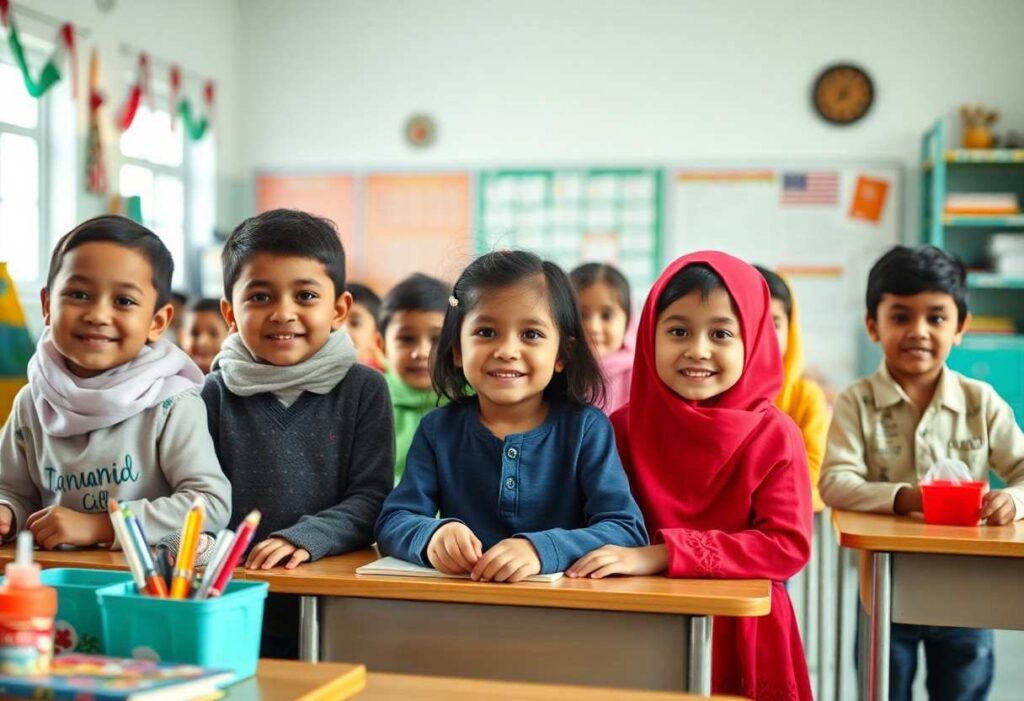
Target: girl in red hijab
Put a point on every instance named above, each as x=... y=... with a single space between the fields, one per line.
x=719 y=472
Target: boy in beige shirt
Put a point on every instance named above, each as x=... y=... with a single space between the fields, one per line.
x=889 y=428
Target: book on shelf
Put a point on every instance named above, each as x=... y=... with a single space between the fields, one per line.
x=982 y=203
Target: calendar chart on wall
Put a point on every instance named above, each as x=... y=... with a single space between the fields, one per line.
x=574 y=216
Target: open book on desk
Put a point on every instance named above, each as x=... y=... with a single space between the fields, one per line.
x=394 y=567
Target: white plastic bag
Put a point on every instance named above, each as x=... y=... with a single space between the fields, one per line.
x=948 y=470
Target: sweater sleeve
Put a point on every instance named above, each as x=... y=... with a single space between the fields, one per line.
x=1006 y=450
x=409 y=517
x=190 y=466
x=612 y=516
x=813 y=423
x=844 y=480
x=777 y=544
x=16 y=487
x=348 y=525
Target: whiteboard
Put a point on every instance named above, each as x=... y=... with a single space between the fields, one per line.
x=822 y=225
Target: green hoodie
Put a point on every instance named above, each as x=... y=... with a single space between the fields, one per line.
x=409 y=405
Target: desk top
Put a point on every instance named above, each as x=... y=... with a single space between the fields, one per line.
x=336 y=576
x=910 y=534
x=285 y=680
x=380 y=686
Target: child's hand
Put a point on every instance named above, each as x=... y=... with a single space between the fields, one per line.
x=6 y=520
x=59 y=525
x=270 y=552
x=612 y=559
x=510 y=560
x=997 y=508
x=908 y=499
x=454 y=549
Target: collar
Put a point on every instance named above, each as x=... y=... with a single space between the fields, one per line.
x=888 y=392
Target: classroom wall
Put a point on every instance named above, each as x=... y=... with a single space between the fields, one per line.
x=328 y=83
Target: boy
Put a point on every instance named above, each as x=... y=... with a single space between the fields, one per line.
x=112 y=409
x=362 y=326
x=411 y=317
x=889 y=428
x=304 y=433
x=203 y=331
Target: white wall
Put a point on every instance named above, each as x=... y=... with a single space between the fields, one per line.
x=328 y=84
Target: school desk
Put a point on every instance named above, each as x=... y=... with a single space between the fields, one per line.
x=929 y=575
x=288 y=680
x=381 y=686
x=632 y=632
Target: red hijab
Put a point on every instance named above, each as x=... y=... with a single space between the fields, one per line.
x=663 y=427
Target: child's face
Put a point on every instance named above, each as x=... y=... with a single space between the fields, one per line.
x=202 y=334
x=916 y=332
x=363 y=329
x=100 y=308
x=603 y=318
x=781 y=321
x=408 y=340
x=698 y=348
x=284 y=308
x=508 y=345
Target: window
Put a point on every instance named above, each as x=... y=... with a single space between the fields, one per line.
x=22 y=183
x=154 y=168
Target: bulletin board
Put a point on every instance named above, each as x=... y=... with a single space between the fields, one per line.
x=822 y=226
x=576 y=215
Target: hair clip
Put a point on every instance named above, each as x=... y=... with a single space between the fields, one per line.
x=452 y=302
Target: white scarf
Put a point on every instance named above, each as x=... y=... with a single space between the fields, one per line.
x=69 y=405
x=245 y=376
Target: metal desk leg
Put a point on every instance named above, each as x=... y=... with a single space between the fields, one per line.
x=309 y=629
x=698 y=630
x=840 y=620
x=881 y=609
x=824 y=553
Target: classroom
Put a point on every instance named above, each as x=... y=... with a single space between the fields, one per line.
x=442 y=349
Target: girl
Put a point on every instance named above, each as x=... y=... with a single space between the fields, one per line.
x=802 y=399
x=720 y=473
x=512 y=334
x=603 y=294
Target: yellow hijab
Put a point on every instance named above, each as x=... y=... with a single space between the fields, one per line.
x=793 y=360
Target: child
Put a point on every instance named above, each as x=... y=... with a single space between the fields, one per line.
x=889 y=428
x=303 y=432
x=179 y=300
x=603 y=294
x=363 y=328
x=112 y=409
x=203 y=331
x=719 y=472
x=801 y=398
x=410 y=319
x=526 y=436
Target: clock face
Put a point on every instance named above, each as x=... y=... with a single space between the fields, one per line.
x=843 y=94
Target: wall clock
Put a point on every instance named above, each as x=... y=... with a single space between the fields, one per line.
x=843 y=94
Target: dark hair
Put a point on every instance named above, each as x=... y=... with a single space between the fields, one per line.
x=418 y=292
x=696 y=277
x=123 y=232
x=179 y=297
x=580 y=382
x=285 y=232
x=777 y=288
x=910 y=271
x=361 y=294
x=203 y=304
x=589 y=274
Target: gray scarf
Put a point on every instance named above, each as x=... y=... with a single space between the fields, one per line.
x=246 y=376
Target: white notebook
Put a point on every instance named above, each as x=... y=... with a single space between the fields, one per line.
x=400 y=568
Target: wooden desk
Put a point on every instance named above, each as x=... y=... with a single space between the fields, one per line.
x=287 y=680
x=930 y=575
x=635 y=632
x=410 y=687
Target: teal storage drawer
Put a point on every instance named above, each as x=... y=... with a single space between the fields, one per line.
x=1001 y=367
x=78 y=626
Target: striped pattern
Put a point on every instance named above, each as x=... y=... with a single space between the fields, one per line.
x=812 y=188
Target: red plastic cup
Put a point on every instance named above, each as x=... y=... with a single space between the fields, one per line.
x=952 y=503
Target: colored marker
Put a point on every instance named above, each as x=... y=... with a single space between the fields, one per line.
x=163 y=563
x=221 y=548
x=239 y=545
x=154 y=583
x=121 y=531
x=183 y=563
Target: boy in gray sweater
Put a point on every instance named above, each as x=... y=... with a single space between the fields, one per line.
x=303 y=433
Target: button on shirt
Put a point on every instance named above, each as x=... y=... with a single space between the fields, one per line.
x=560 y=485
x=879 y=442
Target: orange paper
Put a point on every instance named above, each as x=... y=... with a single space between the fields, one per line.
x=869 y=199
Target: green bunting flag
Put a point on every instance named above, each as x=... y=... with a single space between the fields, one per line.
x=64 y=48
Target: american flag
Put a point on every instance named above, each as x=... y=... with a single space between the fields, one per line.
x=821 y=188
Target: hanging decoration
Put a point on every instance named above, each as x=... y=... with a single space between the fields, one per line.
x=195 y=125
x=141 y=87
x=64 y=48
x=175 y=85
x=95 y=168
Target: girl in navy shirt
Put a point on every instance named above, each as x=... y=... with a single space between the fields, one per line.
x=521 y=468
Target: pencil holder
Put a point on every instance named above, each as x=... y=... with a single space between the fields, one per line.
x=220 y=633
x=78 y=627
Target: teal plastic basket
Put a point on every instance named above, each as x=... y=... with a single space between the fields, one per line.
x=78 y=626
x=221 y=633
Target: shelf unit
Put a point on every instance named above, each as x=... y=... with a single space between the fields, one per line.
x=995 y=358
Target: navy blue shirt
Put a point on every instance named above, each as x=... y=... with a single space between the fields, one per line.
x=561 y=486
